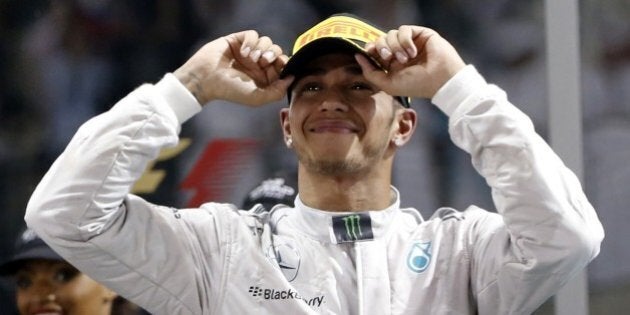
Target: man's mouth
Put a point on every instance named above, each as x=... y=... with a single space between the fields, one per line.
x=333 y=126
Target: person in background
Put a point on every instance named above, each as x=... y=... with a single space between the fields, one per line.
x=47 y=284
x=272 y=191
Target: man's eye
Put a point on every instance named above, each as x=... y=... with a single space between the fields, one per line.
x=312 y=88
x=360 y=86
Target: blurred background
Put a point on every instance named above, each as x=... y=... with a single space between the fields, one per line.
x=64 y=61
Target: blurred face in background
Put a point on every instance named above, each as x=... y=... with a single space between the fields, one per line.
x=56 y=287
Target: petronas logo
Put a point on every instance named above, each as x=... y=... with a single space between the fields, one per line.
x=419 y=257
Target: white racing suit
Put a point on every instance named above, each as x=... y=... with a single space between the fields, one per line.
x=220 y=260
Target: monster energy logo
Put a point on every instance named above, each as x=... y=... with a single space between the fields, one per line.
x=352 y=227
x=353 y=224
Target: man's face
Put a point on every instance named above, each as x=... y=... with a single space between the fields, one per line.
x=56 y=287
x=338 y=121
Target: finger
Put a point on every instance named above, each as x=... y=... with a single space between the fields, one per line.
x=235 y=43
x=405 y=38
x=280 y=62
x=269 y=55
x=241 y=45
x=251 y=70
x=420 y=36
x=272 y=73
x=380 y=51
x=276 y=91
x=259 y=48
x=274 y=70
x=260 y=51
x=249 y=39
x=373 y=74
x=394 y=45
x=281 y=86
x=370 y=48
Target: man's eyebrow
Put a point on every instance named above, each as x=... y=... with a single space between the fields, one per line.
x=354 y=69
x=308 y=71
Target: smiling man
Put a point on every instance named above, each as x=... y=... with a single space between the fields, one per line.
x=344 y=131
x=346 y=247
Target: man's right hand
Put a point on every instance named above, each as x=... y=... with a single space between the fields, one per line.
x=241 y=67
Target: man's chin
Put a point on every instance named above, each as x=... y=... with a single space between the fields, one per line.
x=332 y=167
x=336 y=138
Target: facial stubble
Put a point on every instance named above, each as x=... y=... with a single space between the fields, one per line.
x=372 y=153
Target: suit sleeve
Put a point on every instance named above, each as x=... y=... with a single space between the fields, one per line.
x=547 y=229
x=82 y=208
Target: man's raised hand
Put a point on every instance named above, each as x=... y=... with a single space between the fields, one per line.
x=241 y=67
x=417 y=60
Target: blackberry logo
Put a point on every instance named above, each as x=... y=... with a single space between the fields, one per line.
x=255 y=291
x=289 y=294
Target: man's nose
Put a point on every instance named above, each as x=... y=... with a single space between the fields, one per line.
x=334 y=101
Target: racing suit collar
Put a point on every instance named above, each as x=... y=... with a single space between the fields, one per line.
x=323 y=225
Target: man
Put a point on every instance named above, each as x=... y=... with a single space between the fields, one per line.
x=346 y=247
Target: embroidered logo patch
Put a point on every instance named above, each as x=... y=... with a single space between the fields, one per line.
x=419 y=257
x=287 y=258
x=353 y=227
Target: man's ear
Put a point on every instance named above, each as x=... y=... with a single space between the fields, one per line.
x=406 y=120
x=284 y=124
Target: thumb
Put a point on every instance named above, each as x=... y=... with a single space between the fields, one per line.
x=283 y=84
x=373 y=74
x=274 y=92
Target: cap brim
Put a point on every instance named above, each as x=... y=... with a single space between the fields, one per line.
x=323 y=46
x=12 y=265
x=317 y=48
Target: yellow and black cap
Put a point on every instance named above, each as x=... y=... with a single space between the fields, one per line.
x=338 y=33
